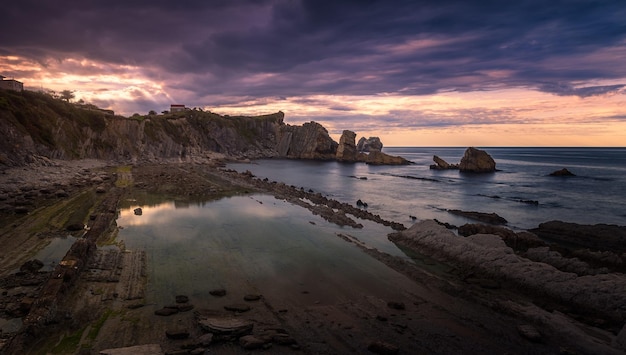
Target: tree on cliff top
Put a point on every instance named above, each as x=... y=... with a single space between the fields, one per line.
x=67 y=95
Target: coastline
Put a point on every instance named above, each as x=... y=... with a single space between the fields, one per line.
x=504 y=303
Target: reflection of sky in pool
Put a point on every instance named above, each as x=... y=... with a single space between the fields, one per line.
x=255 y=240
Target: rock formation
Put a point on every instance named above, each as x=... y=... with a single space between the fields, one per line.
x=441 y=164
x=380 y=158
x=562 y=172
x=35 y=128
x=477 y=161
x=602 y=237
x=309 y=141
x=599 y=295
x=371 y=144
x=346 y=151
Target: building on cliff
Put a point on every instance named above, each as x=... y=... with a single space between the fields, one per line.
x=11 y=84
x=177 y=108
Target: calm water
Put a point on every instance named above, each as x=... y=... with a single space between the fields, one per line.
x=596 y=195
x=252 y=244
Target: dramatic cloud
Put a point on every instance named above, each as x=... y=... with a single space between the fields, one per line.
x=256 y=55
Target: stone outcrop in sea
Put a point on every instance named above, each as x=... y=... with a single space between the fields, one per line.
x=309 y=141
x=441 y=164
x=477 y=161
x=370 y=144
x=473 y=161
x=347 y=152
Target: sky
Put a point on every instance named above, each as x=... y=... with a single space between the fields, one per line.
x=414 y=73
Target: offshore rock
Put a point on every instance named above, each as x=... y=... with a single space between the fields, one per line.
x=346 y=151
x=380 y=158
x=441 y=164
x=477 y=161
x=562 y=172
x=371 y=144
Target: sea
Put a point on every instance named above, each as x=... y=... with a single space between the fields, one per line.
x=521 y=191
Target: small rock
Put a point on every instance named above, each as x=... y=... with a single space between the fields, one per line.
x=166 y=311
x=61 y=193
x=182 y=299
x=138 y=211
x=204 y=340
x=184 y=307
x=220 y=292
x=529 y=332
x=101 y=189
x=32 y=266
x=240 y=308
x=250 y=342
x=177 y=333
x=383 y=348
x=251 y=297
x=396 y=305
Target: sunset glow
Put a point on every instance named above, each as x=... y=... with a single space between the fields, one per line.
x=530 y=81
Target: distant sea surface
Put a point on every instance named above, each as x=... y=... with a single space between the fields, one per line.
x=521 y=191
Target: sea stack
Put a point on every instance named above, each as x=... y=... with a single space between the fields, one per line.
x=477 y=161
x=346 y=150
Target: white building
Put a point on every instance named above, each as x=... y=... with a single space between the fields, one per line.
x=11 y=84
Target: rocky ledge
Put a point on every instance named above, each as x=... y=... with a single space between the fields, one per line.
x=487 y=255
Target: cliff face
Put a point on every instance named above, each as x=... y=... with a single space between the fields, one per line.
x=35 y=127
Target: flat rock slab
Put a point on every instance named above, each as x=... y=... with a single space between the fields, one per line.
x=147 y=349
x=226 y=326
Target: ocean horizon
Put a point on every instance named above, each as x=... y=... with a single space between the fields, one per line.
x=521 y=190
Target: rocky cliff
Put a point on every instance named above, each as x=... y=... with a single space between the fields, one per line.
x=36 y=127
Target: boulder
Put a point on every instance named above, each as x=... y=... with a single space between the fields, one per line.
x=346 y=151
x=562 y=172
x=441 y=164
x=477 y=161
x=371 y=144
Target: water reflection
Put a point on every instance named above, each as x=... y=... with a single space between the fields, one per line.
x=258 y=243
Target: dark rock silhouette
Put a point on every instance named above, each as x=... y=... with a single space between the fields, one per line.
x=477 y=161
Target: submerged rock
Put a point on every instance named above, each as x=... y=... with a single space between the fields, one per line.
x=562 y=172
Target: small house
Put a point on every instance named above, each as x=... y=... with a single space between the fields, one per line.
x=177 y=108
x=11 y=84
